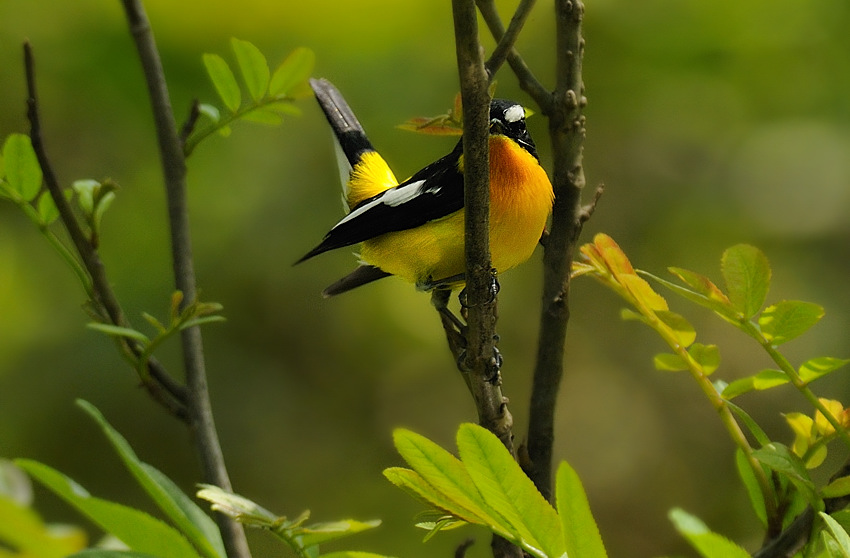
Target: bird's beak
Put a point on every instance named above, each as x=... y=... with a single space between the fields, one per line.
x=496 y=126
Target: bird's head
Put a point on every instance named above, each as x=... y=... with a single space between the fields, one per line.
x=507 y=118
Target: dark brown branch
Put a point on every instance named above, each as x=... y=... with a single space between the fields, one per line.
x=527 y=81
x=480 y=301
x=506 y=42
x=481 y=364
x=191 y=121
x=164 y=389
x=174 y=172
x=566 y=129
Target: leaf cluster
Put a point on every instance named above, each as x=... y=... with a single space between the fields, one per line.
x=486 y=486
x=270 y=95
x=180 y=317
x=188 y=533
x=776 y=476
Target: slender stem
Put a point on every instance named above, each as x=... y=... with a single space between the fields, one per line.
x=174 y=171
x=566 y=130
x=506 y=42
x=190 y=142
x=527 y=81
x=104 y=302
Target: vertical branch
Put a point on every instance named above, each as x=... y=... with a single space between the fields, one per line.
x=174 y=171
x=481 y=364
x=566 y=129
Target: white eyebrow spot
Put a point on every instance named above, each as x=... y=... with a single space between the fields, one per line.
x=514 y=113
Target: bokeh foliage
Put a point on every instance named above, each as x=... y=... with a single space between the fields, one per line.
x=710 y=124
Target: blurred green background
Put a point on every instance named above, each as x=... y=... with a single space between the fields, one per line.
x=710 y=123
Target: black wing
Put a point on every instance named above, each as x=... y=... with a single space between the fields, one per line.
x=432 y=193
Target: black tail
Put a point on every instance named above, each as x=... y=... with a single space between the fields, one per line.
x=345 y=125
x=360 y=276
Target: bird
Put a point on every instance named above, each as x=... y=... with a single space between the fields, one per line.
x=414 y=229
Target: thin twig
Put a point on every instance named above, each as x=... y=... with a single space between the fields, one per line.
x=165 y=390
x=506 y=41
x=527 y=81
x=566 y=129
x=174 y=172
x=191 y=121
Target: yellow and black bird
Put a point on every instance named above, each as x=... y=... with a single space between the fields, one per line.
x=415 y=229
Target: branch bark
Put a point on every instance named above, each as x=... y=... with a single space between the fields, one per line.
x=174 y=172
x=103 y=302
x=566 y=130
x=481 y=363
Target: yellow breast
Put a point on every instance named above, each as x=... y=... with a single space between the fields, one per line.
x=520 y=201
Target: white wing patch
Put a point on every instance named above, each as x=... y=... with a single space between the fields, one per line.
x=514 y=113
x=398 y=196
x=392 y=197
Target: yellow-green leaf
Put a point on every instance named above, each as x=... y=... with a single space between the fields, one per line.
x=135 y=528
x=507 y=489
x=293 y=71
x=747 y=273
x=581 y=535
x=253 y=65
x=23 y=173
x=788 y=319
x=708 y=356
x=224 y=81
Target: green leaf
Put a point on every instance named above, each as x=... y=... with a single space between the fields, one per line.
x=506 y=488
x=837 y=488
x=839 y=534
x=320 y=533
x=751 y=425
x=721 y=307
x=47 y=211
x=788 y=319
x=747 y=273
x=781 y=460
x=581 y=534
x=104 y=553
x=201 y=321
x=85 y=190
x=669 y=362
x=198 y=527
x=135 y=528
x=819 y=367
x=238 y=507
x=707 y=356
x=352 y=554
x=445 y=473
x=210 y=111
x=118 y=331
x=22 y=529
x=254 y=68
x=413 y=483
x=224 y=81
x=23 y=173
x=681 y=328
x=262 y=115
x=708 y=544
x=765 y=379
x=293 y=71
x=751 y=484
